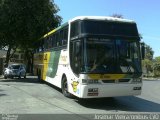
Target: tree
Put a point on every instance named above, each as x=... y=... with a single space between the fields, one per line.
x=156 y=66
x=147 y=63
x=25 y=21
x=149 y=52
x=117 y=15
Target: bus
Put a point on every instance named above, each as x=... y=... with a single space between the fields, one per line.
x=92 y=57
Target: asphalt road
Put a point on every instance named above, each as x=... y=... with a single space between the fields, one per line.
x=28 y=96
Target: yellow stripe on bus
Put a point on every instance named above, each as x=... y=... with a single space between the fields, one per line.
x=51 y=32
x=106 y=76
x=45 y=62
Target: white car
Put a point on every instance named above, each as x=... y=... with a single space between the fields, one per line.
x=15 y=70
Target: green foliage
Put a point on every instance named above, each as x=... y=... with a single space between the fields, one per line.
x=149 y=53
x=25 y=21
x=147 y=63
x=156 y=66
x=151 y=66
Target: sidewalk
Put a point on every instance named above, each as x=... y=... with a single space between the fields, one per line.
x=145 y=78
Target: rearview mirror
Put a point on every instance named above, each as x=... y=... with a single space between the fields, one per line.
x=142 y=51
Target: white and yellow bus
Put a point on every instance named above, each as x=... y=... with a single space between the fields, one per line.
x=92 y=57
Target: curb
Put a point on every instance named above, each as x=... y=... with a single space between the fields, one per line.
x=150 y=79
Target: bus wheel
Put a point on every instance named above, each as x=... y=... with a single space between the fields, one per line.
x=65 y=88
x=39 y=75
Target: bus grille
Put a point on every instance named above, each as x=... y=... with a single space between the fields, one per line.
x=116 y=81
x=123 y=80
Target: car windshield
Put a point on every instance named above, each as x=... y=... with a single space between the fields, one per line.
x=111 y=56
x=14 y=66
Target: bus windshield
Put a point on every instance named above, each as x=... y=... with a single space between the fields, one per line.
x=111 y=56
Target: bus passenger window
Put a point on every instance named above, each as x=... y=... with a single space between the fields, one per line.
x=64 y=42
x=49 y=42
x=46 y=43
x=53 y=41
x=61 y=36
x=58 y=39
x=55 y=38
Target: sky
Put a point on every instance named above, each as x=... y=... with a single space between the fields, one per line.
x=144 y=12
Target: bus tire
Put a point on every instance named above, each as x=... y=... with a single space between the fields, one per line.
x=65 y=87
x=39 y=76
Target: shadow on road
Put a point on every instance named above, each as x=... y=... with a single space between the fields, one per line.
x=54 y=87
x=131 y=103
x=23 y=80
x=2 y=95
x=1 y=90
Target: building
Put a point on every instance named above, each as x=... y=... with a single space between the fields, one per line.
x=18 y=57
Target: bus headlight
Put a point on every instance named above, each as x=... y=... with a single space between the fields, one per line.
x=137 y=80
x=84 y=81
x=87 y=81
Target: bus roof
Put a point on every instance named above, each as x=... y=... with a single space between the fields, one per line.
x=102 y=18
x=90 y=18
x=54 y=30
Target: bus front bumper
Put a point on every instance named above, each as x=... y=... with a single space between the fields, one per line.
x=110 y=90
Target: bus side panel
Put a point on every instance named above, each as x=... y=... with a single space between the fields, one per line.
x=52 y=69
x=65 y=69
x=41 y=61
x=59 y=66
x=46 y=59
x=74 y=84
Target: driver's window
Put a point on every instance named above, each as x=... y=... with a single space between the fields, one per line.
x=75 y=52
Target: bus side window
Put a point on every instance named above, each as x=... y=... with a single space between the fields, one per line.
x=54 y=41
x=59 y=41
x=61 y=37
x=65 y=36
x=49 y=42
x=46 y=43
